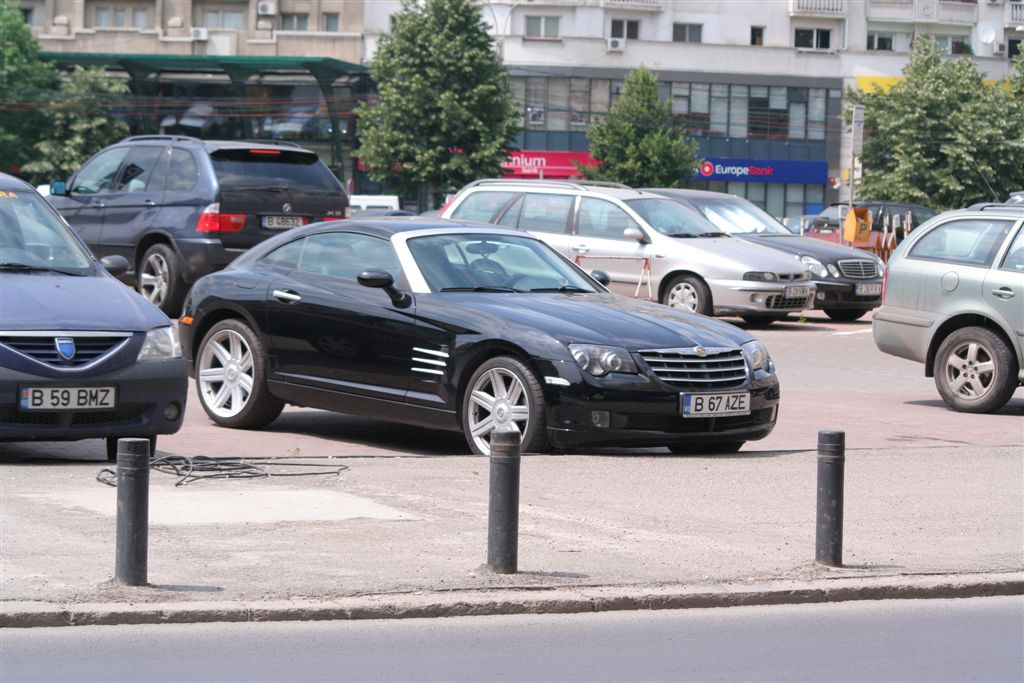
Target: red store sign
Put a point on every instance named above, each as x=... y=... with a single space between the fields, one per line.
x=530 y=163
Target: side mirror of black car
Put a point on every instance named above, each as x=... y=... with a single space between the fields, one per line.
x=601 y=277
x=59 y=188
x=115 y=264
x=381 y=279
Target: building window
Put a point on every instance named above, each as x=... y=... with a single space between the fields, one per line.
x=294 y=22
x=1012 y=48
x=623 y=28
x=813 y=38
x=331 y=23
x=140 y=17
x=542 y=27
x=878 y=40
x=223 y=18
x=28 y=14
x=961 y=45
x=686 y=33
x=757 y=35
x=101 y=19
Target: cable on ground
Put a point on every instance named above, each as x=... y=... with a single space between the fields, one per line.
x=200 y=467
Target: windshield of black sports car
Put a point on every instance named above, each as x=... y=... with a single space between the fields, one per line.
x=33 y=238
x=740 y=217
x=495 y=263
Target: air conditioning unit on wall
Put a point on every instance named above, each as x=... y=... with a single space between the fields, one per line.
x=266 y=9
x=999 y=49
x=616 y=44
x=200 y=33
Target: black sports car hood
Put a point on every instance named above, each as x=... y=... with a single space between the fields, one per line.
x=826 y=252
x=591 y=318
x=30 y=301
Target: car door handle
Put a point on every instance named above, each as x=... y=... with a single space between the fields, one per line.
x=97 y=204
x=1004 y=293
x=581 y=248
x=286 y=295
x=150 y=203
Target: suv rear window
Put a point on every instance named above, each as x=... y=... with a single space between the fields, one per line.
x=246 y=169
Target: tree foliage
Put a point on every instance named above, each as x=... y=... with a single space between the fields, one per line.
x=80 y=123
x=443 y=114
x=23 y=79
x=639 y=142
x=943 y=136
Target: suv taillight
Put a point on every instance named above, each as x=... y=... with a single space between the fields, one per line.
x=212 y=220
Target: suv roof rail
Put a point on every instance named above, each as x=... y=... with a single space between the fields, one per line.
x=266 y=141
x=995 y=206
x=135 y=138
x=571 y=184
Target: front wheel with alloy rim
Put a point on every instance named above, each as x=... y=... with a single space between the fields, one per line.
x=688 y=293
x=503 y=393
x=231 y=377
x=159 y=279
x=975 y=370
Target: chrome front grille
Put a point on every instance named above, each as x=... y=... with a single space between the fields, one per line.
x=858 y=268
x=89 y=347
x=685 y=369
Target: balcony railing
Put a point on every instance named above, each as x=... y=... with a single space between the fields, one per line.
x=650 y=5
x=1015 y=13
x=937 y=11
x=818 y=8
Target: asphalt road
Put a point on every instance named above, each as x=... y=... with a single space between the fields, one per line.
x=832 y=377
x=894 y=640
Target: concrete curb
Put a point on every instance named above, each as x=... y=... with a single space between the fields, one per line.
x=512 y=601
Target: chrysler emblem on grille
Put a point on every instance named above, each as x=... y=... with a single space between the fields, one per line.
x=65 y=347
x=700 y=351
x=286 y=207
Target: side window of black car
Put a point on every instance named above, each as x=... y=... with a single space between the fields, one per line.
x=286 y=256
x=97 y=176
x=138 y=169
x=182 y=173
x=346 y=254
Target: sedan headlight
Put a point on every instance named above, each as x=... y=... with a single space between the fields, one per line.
x=600 y=360
x=815 y=266
x=757 y=356
x=760 y=276
x=161 y=344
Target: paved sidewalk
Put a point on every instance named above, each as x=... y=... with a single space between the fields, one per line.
x=407 y=536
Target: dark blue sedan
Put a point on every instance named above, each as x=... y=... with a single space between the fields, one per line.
x=82 y=356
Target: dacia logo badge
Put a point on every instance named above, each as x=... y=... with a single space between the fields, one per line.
x=700 y=351
x=286 y=207
x=65 y=347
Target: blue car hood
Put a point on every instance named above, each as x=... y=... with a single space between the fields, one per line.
x=31 y=301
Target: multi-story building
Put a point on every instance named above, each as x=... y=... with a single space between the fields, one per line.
x=759 y=83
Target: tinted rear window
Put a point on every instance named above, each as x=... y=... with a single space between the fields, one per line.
x=244 y=169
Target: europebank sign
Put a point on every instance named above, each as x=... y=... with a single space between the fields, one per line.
x=763 y=171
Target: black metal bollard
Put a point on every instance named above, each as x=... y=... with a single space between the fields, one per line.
x=132 y=511
x=831 y=463
x=503 y=515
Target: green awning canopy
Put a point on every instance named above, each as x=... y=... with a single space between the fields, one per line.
x=324 y=69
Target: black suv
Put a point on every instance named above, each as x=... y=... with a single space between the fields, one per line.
x=178 y=207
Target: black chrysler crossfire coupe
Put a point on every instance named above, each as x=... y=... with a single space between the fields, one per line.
x=466 y=327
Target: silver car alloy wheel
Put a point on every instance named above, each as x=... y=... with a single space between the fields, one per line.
x=970 y=370
x=226 y=373
x=683 y=296
x=154 y=278
x=498 y=401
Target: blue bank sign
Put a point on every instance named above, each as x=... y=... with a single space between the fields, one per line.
x=764 y=171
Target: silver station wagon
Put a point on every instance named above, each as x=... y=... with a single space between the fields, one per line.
x=651 y=247
x=954 y=300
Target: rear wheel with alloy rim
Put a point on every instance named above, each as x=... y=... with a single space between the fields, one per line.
x=975 y=370
x=501 y=393
x=231 y=377
x=159 y=279
x=688 y=293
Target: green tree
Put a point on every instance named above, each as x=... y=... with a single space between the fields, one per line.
x=80 y=123
x=443 y=115
x=639 y=142
x=942 y=136
x=24 y=80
